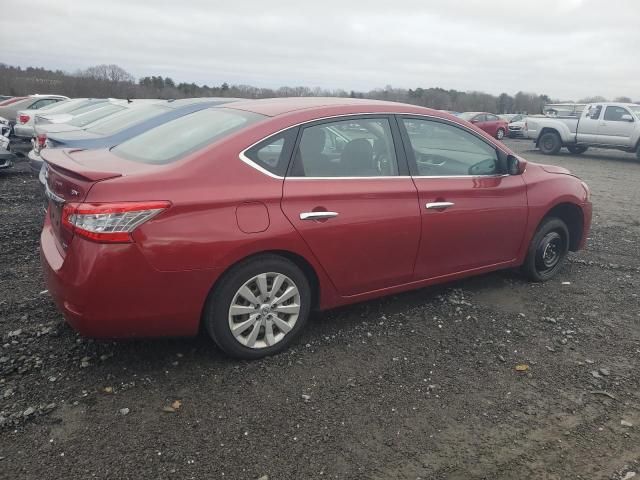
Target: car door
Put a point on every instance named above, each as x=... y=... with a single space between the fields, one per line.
x=473 y=215
x=616 y=127
x=589 y=124
x=356 y=207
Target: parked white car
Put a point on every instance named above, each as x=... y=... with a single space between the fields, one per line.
x=603 y=125
x=517 y=126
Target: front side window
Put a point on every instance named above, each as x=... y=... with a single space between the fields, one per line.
x=443 y=150
x=346 y=148
x=174 y=140
x=492 y=118
x=614 y=114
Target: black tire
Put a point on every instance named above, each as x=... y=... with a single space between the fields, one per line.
x=576 y=149
x=539 y=265
x=216 y=312
x=550 y=143
x=500 y=133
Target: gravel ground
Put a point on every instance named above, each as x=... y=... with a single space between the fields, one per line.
x=421 y=385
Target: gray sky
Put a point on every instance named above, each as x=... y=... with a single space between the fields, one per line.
x=565 y=48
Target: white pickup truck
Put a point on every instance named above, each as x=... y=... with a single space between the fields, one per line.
x=602 y=125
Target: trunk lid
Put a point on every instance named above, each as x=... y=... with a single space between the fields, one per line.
x=68 y=181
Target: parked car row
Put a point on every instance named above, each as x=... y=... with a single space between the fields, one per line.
x=241 y=216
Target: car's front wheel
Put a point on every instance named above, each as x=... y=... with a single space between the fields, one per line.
x=259 y=307
x=547 y=251
x=500 y=134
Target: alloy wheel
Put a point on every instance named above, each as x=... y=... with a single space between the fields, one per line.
x=264 y=310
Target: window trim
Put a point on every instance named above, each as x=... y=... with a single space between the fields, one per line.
x=400 y=147
x=413 y=165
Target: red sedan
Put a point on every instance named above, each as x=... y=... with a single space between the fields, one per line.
x=244 y=218
x=490 y=123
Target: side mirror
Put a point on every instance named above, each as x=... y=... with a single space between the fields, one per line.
x=515 y=165
x=626 y=118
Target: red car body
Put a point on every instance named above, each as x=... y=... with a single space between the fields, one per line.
x=224 y=209
x=489 y=123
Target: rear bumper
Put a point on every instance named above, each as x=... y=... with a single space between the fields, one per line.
x=111 y=291
x=35 y=161
x=23 y=131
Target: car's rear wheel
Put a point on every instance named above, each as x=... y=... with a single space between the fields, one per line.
x=550 y=143
x=547 y=251
x=258 y=308
x=500 y=134
x=576 y=149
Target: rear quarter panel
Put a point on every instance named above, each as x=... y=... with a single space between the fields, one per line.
x=202 y=229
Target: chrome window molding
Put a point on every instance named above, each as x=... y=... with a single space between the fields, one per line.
x=263 y=170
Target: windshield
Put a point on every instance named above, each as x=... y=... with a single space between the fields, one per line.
x=90 y=117
x=177 y=138
x=121 y=121
x=467 y=115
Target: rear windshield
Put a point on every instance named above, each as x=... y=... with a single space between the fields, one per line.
x=87 y=118
x=123 y=120
x=173 y=140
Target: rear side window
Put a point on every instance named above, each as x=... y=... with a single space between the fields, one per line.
x=361 y=147
x=273 y=154
x=173 y=140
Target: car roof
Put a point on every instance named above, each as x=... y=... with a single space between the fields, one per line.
x=273 y=107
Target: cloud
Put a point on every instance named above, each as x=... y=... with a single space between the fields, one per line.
x=566 y=49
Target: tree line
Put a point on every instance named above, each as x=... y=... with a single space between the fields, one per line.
x=114 y=81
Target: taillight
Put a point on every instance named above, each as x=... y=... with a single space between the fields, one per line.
x=109 y=222
x=23 y=118
x=41 y=139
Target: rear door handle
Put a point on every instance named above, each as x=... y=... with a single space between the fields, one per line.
x=439 y=205
x=317 y=215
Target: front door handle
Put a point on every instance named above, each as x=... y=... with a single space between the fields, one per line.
x=439 y=205
x=317 y=215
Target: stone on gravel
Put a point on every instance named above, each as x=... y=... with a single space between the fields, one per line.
x=595 y=374
x=604 y=371
x=629 y=476
x=124 y=411
x=625 y=423
x=28 y=411
x=306 y=398
x=264 y=477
